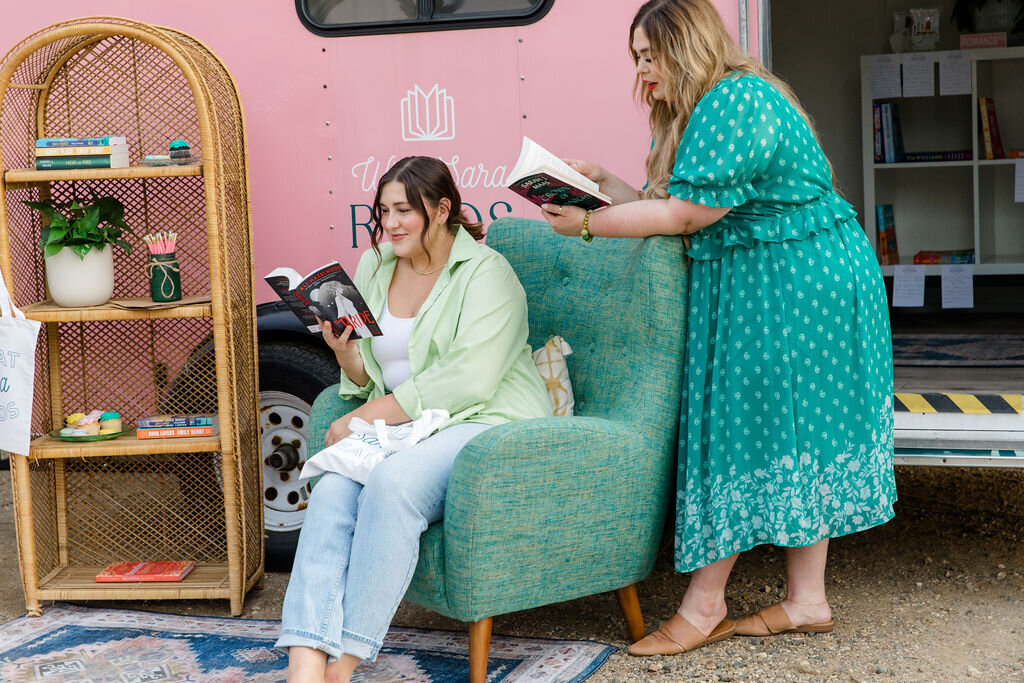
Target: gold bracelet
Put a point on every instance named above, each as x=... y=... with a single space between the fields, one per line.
x=584 y=233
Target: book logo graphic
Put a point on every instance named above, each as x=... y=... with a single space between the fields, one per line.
x=428 y=116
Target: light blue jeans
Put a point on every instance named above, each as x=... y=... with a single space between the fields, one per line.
x=359 y=546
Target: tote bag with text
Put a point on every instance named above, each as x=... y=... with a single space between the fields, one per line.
x=17 y=374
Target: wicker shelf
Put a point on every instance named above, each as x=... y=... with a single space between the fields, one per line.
x=47 y=447
x=76 y=583
x=49 y=312
x=80 y=506
x=31 y=175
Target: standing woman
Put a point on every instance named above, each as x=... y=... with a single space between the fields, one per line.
x=454 y=320
x=786 y=435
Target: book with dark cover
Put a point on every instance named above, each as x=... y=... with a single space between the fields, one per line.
x=327 y=293
x=888 y=251
x=167 y=421
x=70 y=162
x=542 y=178
x=993 y=125
x=121 y=572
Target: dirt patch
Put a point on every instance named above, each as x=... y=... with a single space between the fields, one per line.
x=935 y=595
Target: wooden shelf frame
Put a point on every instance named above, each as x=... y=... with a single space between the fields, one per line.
x=179 y=88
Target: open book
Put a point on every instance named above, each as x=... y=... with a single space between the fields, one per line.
x=327 y=293
x=543 y=178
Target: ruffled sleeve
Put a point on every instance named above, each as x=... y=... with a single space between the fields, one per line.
x=728 y=144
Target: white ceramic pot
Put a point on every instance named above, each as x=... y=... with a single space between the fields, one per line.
x=76 y=282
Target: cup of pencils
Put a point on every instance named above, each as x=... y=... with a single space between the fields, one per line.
x=162 y=269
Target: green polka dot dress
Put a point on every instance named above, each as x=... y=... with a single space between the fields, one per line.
x=787 y=429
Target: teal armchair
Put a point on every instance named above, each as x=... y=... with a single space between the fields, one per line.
x=547 y=510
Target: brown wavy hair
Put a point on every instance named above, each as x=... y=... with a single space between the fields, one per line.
x=427 y=181
x=694 y=52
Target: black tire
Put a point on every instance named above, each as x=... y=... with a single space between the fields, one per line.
x=292 y=375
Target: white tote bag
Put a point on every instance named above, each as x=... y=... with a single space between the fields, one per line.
x=17 y=374
x=357 y=454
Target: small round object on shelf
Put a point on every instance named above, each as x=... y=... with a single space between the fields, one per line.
x=180 y=149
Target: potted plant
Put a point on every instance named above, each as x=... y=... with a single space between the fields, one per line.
x=77 y=248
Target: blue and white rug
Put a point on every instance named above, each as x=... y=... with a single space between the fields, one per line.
x=73 y=643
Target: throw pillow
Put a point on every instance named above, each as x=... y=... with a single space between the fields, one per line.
x=550 y=361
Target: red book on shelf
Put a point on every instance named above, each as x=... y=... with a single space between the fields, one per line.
x=993 y=125
x=120 y=572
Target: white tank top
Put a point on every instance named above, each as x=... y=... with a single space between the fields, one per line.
x=392 y=348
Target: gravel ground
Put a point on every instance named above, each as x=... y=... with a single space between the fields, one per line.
x=935 y=595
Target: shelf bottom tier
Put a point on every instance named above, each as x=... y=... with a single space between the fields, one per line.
x=79 y=583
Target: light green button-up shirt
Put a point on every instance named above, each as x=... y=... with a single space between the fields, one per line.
x=467 y=350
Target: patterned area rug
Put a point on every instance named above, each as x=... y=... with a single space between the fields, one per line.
x=73 y=643
x=992 y=350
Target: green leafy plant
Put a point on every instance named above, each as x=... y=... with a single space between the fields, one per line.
x=81 y=226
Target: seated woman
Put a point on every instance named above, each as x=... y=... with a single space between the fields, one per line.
x=453 y=316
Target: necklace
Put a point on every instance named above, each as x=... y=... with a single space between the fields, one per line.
x=429 y=272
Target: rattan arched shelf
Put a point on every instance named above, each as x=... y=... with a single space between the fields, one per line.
x=80 y=506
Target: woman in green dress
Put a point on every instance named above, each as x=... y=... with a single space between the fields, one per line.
x=786 y=436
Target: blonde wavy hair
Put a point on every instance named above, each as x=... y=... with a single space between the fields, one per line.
x=694 y=52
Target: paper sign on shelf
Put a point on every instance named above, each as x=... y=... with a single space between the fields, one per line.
x=919 y=74
x=954 y=73
x=885 y=76
x=908 y=286
x=957 y=285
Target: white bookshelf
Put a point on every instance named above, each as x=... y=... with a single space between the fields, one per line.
x=942 y=205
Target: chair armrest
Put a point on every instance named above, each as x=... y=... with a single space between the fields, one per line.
x=327 y=408
x=545 y=510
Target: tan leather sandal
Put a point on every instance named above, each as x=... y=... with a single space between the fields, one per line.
x=677 y=635
x=771 y=621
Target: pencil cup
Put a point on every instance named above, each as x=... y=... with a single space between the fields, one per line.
x=164 y=277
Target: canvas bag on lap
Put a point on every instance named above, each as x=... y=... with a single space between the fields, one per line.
x=17 y=374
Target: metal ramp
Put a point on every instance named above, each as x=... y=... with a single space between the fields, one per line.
x=959 y=429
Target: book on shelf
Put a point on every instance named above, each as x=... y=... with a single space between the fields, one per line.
x=542 y=178
x=102 y=141
x=944 y=256
x=175 y=432
x=985 y=125
x=327 y=293
x=179 y=420
x=993 y=125
x=1015 y=154
x=892 y=133
x=888 y=252
x=89 y=161
x=876 y=116
x=95 y=150
x=953 y=155
x=161 y=570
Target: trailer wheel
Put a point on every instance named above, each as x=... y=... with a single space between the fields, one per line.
x=291 y=377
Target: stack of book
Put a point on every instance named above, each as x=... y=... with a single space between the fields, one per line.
x=947 y=256
x=176 y=426
x=110 y=151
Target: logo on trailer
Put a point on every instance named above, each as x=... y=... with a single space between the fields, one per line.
x=428 y=116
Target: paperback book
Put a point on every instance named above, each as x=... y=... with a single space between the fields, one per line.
x=543 y=178
x=121 y=572
x=327 y=293
x=165 y=421
x=888 y=252
x=89 y=161
x=103 y=141
x=175 y=432
x=946 y=256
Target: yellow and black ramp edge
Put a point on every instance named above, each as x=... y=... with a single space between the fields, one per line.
x=972 y=404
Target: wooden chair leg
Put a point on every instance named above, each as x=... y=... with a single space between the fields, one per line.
x=630 y=605
x=479 y=649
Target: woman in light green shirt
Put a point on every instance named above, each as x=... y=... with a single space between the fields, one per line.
x=454 y=320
